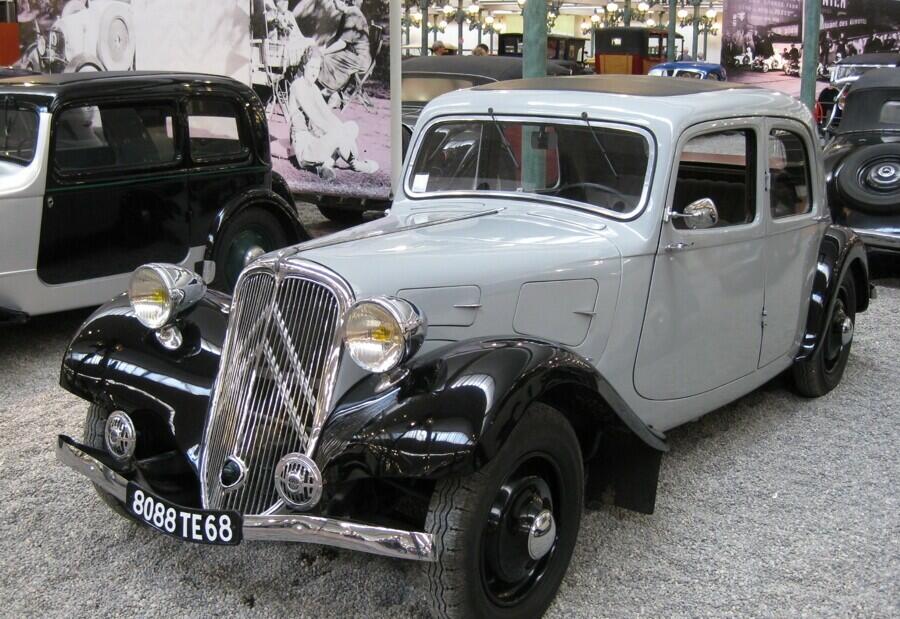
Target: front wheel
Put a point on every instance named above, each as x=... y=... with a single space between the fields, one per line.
x=816 y=376
x=250 y=234
x=504 y=536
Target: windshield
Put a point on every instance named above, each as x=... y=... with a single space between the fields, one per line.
x=597 y=165
x=18 y=132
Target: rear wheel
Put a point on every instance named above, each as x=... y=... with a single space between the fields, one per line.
x=504 y=536
x=94 y=428
x=822 y=372
x=249 y=234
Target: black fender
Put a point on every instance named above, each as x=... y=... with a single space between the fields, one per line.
x=453 y=409
x=840 y=251
x=272 y=201
x=115 y=361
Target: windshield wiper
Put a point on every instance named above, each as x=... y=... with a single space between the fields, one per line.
x=506 y=145
x=609 y=162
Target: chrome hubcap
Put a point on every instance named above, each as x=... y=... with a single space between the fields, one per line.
x=884 y=176
x=541 y=535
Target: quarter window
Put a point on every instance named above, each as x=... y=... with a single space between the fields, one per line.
x=789 y=182
x=719 y=166
x=214 y=131
x=91 y=138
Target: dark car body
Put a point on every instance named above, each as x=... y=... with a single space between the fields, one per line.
x=140 y=166
x=862 y=163
x=843 y=74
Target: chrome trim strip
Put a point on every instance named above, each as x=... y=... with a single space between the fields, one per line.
x=394 y=543
x=484 y=195
x=878 y=239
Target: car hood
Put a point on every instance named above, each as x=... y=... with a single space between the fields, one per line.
x=470 y=244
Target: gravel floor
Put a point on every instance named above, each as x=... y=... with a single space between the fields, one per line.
x=773 y=506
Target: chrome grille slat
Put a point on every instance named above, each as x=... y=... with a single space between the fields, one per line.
x=276 y=378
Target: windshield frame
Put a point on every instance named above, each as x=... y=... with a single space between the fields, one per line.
x=535 y=197
x=29 y=107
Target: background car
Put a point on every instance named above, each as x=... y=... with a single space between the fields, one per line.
x=690 y=69
x=863 y=166
x=843 y=74
x=102 y=172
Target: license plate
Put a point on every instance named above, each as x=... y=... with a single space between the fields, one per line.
x=190 y=525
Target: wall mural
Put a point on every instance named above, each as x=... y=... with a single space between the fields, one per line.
x=321 y=67
x=767 y=35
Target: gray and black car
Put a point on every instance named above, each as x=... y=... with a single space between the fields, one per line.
x=863 y=166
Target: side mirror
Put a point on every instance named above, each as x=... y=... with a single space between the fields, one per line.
x=699 y=214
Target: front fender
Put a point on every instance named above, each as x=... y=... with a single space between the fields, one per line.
x=841 y=249
x=115 y=361
x=454 y=409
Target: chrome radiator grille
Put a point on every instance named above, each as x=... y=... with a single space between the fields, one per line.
x=275 y=380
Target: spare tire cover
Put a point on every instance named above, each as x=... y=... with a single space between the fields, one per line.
x=869 y=179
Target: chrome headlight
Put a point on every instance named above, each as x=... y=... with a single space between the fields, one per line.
x=41 y=45
x=383 y=332
x=158 y=292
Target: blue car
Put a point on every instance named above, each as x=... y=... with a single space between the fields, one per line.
x=691 y=70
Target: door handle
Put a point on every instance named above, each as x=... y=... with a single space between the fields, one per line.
x=678 y=246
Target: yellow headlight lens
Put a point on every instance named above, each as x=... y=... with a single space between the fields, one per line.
x=374 y=338
x=150 y=297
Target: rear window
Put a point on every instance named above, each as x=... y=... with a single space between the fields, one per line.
x=597 y=165
x=214 y=131
x=18 y=133
x=890 y=113
x=91 y=138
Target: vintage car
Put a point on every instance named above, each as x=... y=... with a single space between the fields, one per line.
x=691 y=70
x=103 y=172
x=90 y=35
x=843 y=74
x=862 y=165
x=632 y=50
x=572 y=267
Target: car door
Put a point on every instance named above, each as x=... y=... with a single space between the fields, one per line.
x=794 y=201
x=116 y=191
x=702 y=327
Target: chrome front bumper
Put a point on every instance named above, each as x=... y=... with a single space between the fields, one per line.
x=879 y=240
x=276 y=528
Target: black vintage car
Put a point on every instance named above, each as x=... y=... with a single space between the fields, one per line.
x=863 y=166
x=103 y=172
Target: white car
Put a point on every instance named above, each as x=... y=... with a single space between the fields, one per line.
x=90 y=35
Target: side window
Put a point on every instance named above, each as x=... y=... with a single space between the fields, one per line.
x=92 y=138
x=214 y=131
x=789 y=180
x=720 y=166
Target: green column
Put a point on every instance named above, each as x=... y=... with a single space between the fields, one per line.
x=534 y=64
x=812 y=13
x=670 y=45
x=423 y=8
x=626 y=18
x=695 y=24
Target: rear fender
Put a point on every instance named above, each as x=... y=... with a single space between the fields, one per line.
x=841 y=251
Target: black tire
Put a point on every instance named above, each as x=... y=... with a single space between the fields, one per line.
x=860 y=190
x=251 y=229
x=94 y=428
x=341 y=216
x=816 y=376
x=465 y=580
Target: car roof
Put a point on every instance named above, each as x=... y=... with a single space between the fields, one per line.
x=490 y=67
x=882 y=58
x=878 y=78
x=634 y=85
x=63 y=86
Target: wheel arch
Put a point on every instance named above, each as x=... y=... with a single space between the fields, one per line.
x=453 y=410
x=841 y=251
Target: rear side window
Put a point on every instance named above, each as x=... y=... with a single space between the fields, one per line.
x=214 y=130
x=18 y=133
x=788 y=175
x=719 y=166
x=93 y=138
